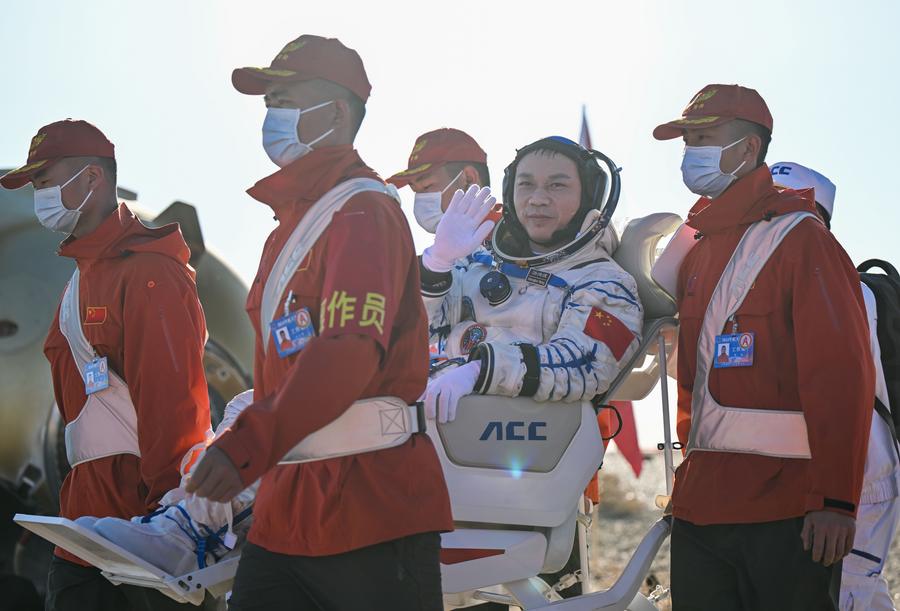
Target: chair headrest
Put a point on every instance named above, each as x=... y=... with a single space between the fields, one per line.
x=636 y=254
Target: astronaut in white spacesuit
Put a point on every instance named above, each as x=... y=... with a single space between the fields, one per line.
x=547 y=314
x=187 y=532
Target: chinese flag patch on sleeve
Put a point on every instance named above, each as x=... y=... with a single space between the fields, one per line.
x=95 y=315
x=606 y=328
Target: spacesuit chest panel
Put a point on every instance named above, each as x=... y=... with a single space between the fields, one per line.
x=530 y=315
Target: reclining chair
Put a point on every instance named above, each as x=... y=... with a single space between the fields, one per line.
x=516 y=470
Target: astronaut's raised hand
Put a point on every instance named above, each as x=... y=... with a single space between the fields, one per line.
x=443 y=393
x=462 y=229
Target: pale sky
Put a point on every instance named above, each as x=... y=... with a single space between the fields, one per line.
x=156 y=78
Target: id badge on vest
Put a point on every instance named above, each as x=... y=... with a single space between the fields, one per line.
x=292 y=331
x=96 y=375
x=734 y=350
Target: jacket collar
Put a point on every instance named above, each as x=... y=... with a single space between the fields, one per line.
x=98 y=244
x=122 y=232
x=297 y=186
x=752 y=198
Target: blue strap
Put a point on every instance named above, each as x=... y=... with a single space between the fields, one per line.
x=243 y=515
x=216 y=537
x=866 y=555
x=529 y=274
x=150 y=516
x=205 y=544
x=192 y=534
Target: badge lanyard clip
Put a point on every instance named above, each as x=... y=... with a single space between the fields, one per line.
x=734 y=324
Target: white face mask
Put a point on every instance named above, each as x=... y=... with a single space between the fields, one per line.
x=280 y=138
x=427 y=207
x=50 y=211
x=701 y=172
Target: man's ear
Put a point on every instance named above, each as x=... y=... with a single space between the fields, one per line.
x=753 y=145
x=341 y=115
x=96 y=175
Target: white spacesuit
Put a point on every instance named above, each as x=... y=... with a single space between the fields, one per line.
x=555 y=326
x=187 y=532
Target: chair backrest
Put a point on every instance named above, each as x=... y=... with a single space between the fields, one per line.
x=516 y=461
x=636 y=253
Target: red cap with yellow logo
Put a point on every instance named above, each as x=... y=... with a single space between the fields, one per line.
x=715 y=105
x=443 y=145
x=307 y=58
x=55 y=141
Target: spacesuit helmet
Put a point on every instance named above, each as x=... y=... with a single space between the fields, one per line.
x=600 y=187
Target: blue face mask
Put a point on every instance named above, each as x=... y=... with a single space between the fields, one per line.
x=280 y=138
x=50 y=211
x=702 y=173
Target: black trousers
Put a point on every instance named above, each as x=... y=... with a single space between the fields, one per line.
x=749 y=567
x=18 y=594
x=72 y=587
x=399 y=575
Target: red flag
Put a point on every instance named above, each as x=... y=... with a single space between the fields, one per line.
x=585 y=138
x=605 y=327
x=95 y=315
x=627 y=439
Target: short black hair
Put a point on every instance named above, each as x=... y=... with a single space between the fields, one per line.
x=110 y=168
x=748 y=128
x=339 y=92
x=484 y=176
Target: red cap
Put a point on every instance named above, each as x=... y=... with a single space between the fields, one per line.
x=309 y=57
x=443 y=145
x=66 y=138
x=715 y=105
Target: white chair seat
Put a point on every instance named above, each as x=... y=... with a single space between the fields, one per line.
x=477 y=558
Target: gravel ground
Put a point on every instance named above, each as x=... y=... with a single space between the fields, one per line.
x=627 y=510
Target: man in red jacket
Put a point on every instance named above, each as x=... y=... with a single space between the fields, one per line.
x=359 y=531
x=125 y=351
x=441 y=162
x=765 y=501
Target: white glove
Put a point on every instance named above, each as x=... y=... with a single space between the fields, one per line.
x=443 y=394
x=461 y=230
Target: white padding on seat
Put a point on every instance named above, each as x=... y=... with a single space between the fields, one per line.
x=523 y=555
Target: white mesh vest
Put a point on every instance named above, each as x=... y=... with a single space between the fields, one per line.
x=107 y=424
x=720 y=428
x=369 y=424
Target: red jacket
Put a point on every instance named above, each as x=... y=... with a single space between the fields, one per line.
x=333 y=506
x=147 y=321
x=811 y=355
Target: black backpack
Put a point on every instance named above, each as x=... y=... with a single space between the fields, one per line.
x=886 y=288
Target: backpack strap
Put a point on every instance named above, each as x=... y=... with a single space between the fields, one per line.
x=885 y=288
x=889 y=269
